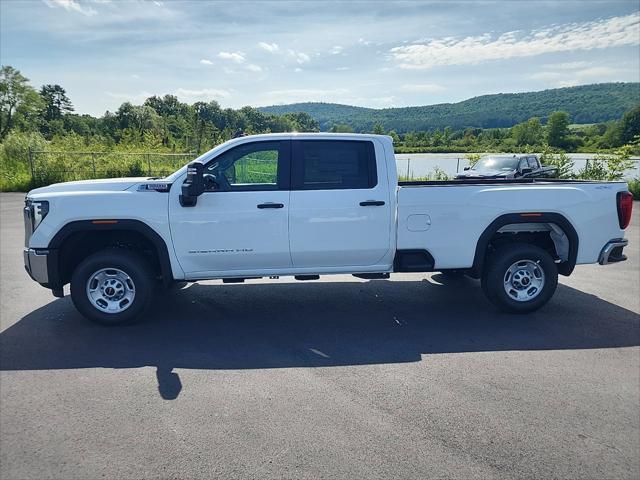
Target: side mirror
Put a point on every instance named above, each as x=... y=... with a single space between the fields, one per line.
x=193 y=186
x=467 y=168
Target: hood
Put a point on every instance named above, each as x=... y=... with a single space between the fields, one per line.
x=485 y=174
x=102 y=185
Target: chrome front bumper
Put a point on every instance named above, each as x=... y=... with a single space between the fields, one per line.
x=35 y=262
x=612 y=251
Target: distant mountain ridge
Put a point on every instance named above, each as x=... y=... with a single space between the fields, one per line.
x=594 y=103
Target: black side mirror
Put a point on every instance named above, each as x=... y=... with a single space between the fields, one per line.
x=193 y=186
x=467 y=168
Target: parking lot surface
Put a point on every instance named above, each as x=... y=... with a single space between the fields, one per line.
x=417 y=377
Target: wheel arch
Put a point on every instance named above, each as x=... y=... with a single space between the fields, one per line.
x=113 y=228
x=564 y=268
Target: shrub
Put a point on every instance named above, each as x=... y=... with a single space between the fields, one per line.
x=558 y=159
x=634 y=187
x=609 y=167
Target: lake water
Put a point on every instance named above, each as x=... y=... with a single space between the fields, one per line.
x=416 y=165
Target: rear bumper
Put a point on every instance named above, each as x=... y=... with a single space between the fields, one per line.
x=35 y=263
x=612 y=251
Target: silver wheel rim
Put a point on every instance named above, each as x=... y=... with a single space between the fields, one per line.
x=524 y=280
x=111 y=290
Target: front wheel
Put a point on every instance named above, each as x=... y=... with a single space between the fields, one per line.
x=520 y=278
x=112 y=287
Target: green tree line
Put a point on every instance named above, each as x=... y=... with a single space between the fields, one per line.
x=596 y=103
x=45 y=119
x=529 y=136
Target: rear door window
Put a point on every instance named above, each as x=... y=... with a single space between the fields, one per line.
x=333 y=164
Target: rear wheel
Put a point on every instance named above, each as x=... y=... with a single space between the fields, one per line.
x=112 y=287
x=520 y=278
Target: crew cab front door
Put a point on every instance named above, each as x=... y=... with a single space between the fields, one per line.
x=241 y=224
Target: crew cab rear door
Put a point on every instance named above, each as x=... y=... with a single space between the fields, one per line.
x=340 y=209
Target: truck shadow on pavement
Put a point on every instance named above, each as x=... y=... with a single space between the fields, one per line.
x=279 y=325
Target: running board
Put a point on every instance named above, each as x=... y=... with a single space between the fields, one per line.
x=372 y=276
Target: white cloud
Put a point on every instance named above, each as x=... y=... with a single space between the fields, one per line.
x=299 y=57
x=130 y=97
x=237 y=57
x=611 y=32
x=422 y=87
x=364 y=42
x=269 y=47
x=297 y=69
x=342 y=69
x=72 y=6
x=205 y=94
x=569 y=77
x=186 y=95
x=305 y=95
x=336 y=50
x=566 y=65
x=204 y=61
x=254 y=68
x=302 y=58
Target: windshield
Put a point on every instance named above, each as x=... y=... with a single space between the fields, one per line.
x=496 y=163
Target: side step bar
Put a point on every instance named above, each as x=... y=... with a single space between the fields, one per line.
x=372 y=276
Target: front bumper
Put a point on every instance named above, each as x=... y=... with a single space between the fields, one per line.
x=612 y=251
x=35 y=263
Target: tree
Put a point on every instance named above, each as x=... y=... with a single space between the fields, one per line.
x=378 y=129
x=630 y=125
x=56 y=102
x=395 y=137
x=341 y=129
x=528 y=133
x=18 y=100
x=302 y=121
x=558 y=129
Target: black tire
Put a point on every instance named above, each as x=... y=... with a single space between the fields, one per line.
x=495 y=274
x=126 y=261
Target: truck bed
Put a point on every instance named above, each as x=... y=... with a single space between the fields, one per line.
x=447 y=220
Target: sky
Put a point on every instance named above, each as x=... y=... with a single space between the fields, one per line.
x=374 y=54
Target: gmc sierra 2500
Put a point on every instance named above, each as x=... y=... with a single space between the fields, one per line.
x=307 y=205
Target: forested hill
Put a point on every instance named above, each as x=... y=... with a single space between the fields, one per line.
x=586 y=104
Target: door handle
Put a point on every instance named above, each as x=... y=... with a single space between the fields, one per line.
x=270 y=205
x=372 y=203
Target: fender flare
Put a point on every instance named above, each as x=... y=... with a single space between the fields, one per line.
x=564 y=268
x=109 y=225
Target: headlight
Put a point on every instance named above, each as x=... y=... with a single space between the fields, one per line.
x=37 y=211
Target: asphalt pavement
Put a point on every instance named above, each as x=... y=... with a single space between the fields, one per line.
x=417 y=377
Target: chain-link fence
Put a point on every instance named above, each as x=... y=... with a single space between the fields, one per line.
x=51 y=167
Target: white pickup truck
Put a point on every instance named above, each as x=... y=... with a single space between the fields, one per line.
x=307 y=205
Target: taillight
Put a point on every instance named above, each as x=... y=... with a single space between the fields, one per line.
x=625 y=205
